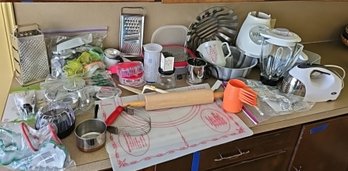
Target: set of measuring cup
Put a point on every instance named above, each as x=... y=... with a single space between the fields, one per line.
x=236 y=94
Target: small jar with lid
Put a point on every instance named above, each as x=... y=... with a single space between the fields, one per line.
x=166 y=79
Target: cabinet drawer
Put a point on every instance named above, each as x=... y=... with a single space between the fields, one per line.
x=266 y=144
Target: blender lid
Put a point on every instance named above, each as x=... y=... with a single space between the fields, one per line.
x=280 y=36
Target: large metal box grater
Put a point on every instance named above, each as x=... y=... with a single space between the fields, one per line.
x=30 y=54
x=132 y=30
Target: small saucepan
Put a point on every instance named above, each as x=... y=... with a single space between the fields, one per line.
x=91 y=134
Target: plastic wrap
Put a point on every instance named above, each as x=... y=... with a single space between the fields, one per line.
x=26 y=103
x=271 y=102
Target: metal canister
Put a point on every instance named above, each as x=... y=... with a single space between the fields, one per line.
x=196 y=68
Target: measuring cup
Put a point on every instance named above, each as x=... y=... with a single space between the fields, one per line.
x=237 y=93
x=212 y=51
x=195 y=70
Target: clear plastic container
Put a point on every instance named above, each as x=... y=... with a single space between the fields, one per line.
x=166 y=80
x=127 y=69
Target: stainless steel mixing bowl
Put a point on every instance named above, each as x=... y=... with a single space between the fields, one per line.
x=238 y=65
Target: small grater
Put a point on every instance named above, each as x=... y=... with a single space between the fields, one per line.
x=132 y=30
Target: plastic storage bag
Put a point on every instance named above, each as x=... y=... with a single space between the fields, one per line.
x=26 y=103
x=24 y=148
x=75 y=51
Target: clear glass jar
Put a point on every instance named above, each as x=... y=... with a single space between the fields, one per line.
x=166 y=80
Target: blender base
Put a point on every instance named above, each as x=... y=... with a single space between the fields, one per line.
x=269 y=82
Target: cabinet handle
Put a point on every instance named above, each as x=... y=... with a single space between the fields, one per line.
x=233 y=156
x=297 y=169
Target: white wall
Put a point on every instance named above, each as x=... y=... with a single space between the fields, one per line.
x=313 y=21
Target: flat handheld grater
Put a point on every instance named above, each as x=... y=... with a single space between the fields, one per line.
x=132 y=30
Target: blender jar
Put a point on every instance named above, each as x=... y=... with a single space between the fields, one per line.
x=279 y=53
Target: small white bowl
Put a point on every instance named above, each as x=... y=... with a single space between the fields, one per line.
x=111 y=53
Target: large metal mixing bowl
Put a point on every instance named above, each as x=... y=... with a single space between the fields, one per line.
x=238 y=65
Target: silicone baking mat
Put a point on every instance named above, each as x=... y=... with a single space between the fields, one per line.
x=175 y=132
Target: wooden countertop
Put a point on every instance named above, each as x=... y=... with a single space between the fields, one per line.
x=331 y=53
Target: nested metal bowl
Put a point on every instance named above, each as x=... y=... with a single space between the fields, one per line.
x=238 y=65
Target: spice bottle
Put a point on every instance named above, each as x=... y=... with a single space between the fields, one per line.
x=166 y=78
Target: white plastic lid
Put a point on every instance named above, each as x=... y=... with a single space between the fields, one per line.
x=281 y=37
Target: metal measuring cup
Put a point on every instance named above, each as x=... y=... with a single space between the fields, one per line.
x=195 y=68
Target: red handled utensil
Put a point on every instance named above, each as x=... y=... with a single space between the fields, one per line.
x=114 y=115
x=134 y=123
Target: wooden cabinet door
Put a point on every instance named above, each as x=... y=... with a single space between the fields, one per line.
x=268 y=151
x=182 y=164
x=207 y=1
x=93 y=0
x=264 y=152
x=6 y=72
x=274 y=161
x=323 y=146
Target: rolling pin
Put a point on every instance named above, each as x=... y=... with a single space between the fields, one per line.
x=177 y=99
